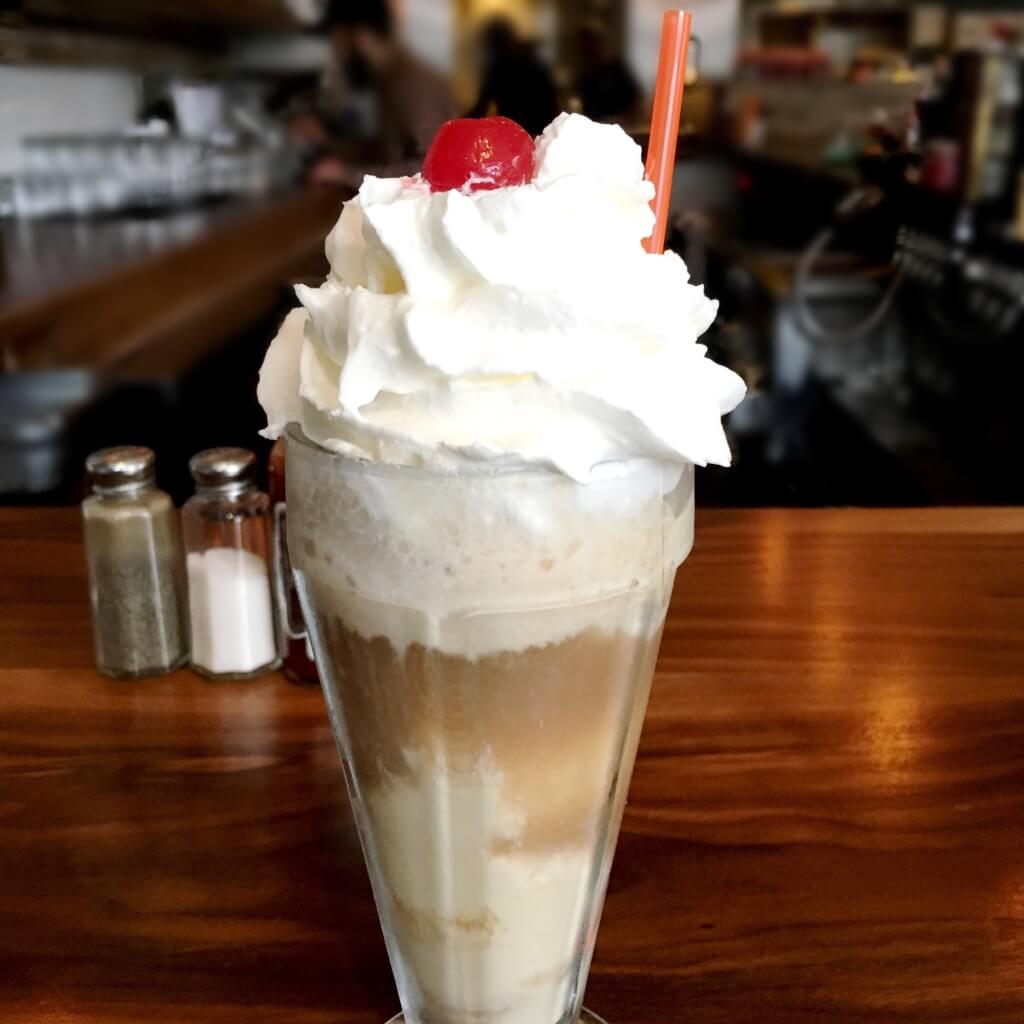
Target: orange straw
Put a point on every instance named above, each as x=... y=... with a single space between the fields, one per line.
x=668 y=106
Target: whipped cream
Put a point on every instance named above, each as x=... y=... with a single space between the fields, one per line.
x=520 y=327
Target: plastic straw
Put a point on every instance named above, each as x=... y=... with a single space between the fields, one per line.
x=668 y=106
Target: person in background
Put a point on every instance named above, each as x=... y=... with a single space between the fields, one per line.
x=607 y=89
x=411 y=101
x=515 y=82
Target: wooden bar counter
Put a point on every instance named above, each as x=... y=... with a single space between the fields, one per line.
x=139 y=296
x=826 y=821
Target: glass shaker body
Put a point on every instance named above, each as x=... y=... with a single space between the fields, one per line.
x=228 y=548
x=136 y=571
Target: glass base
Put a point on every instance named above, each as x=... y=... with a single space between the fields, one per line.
x=236 y=677
x=586 y=1017
x=143 y=673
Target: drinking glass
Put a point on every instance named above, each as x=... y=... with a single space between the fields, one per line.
x=486 y=644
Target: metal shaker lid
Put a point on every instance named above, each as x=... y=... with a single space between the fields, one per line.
x=122 y=468
x=223 y=468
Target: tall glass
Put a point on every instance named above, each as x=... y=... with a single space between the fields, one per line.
x=486 y=644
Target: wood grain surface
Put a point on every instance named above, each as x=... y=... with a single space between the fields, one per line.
x=826 y=821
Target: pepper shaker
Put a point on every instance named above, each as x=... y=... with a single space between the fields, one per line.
x=227 y=544
x=136 y=567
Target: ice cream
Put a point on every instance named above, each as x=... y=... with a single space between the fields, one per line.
x=523 y=326
x=486 y=644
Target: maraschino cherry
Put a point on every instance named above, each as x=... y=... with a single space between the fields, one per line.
x=479 y=154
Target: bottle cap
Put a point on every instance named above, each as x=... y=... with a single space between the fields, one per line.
x=223 y=468
x=121 y=469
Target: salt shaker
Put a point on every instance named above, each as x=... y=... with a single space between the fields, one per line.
x=136 y=567
x=227 y=544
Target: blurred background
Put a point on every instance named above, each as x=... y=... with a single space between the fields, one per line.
x=850 y=187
